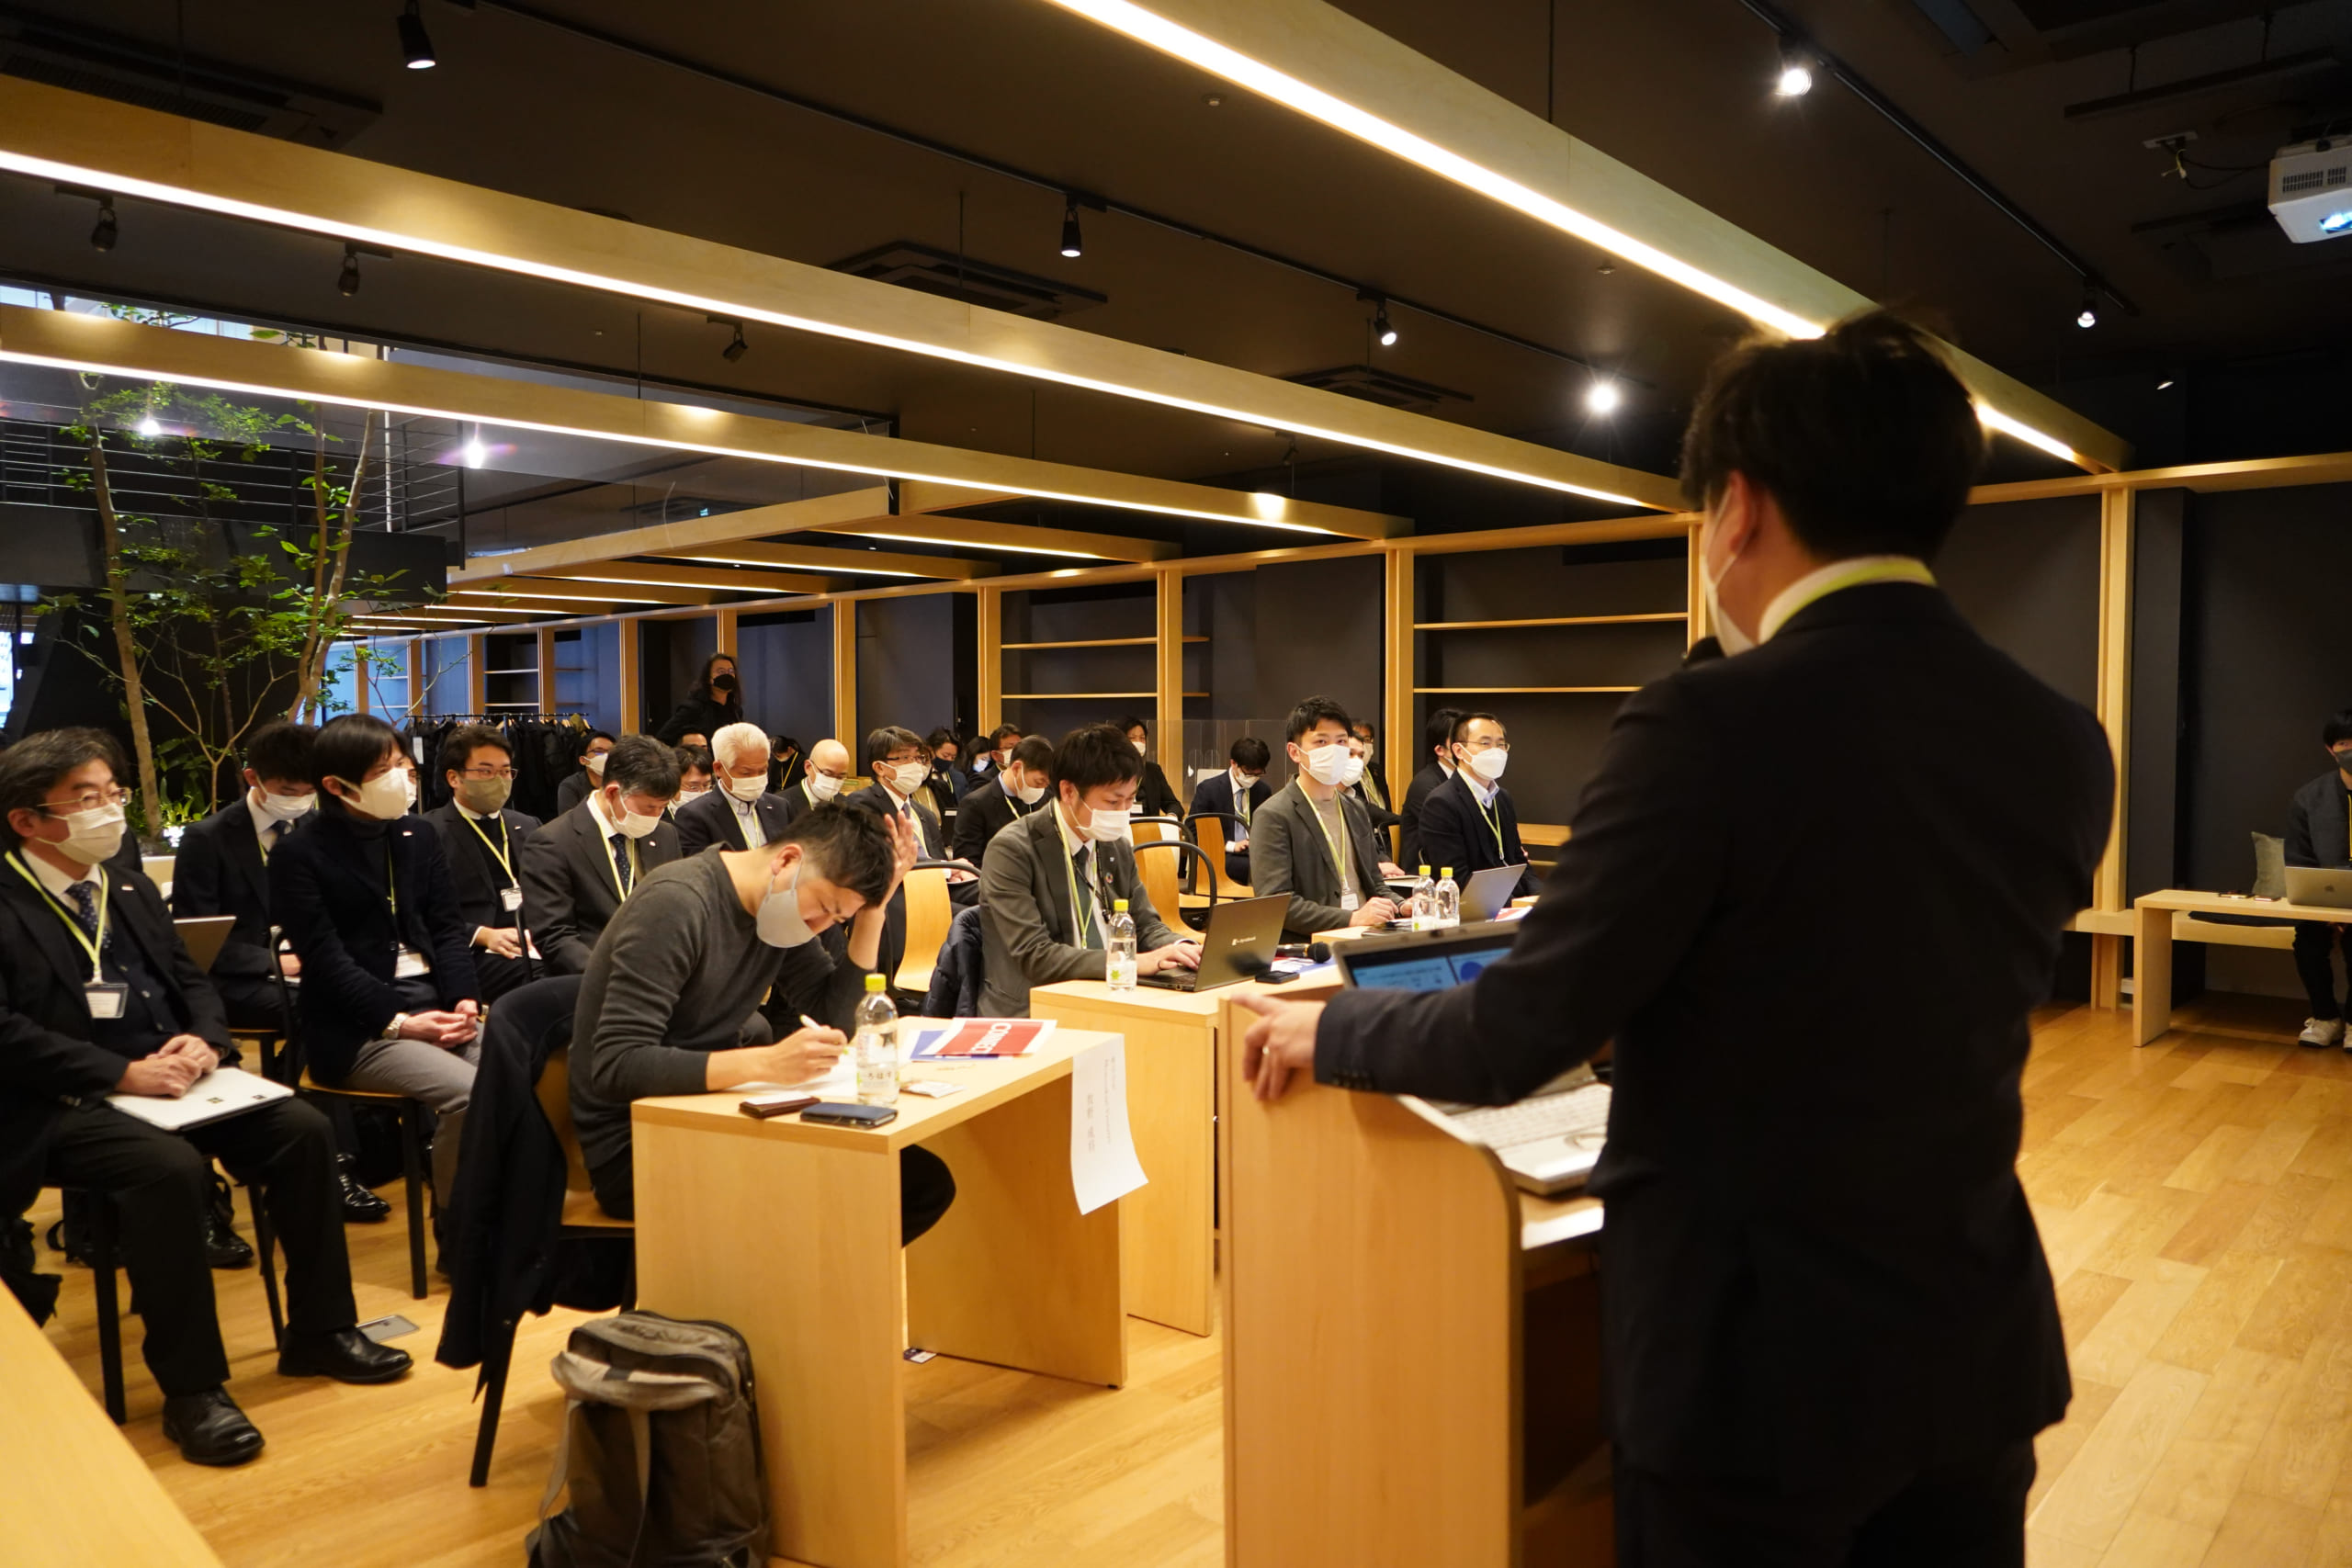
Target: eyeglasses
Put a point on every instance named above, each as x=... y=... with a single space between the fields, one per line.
x=1488 y=744
x=89 y=800
x=488 y=772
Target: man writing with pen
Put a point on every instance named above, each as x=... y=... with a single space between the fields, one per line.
x=736 y=968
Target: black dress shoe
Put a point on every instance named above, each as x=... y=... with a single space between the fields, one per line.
x=210 y=1428
x=345 y=1355
x=223 y=1247
x=359 y=1206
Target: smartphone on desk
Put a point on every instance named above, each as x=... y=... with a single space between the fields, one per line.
x=835 y=1115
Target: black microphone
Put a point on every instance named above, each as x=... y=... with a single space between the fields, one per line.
x=1314 y=953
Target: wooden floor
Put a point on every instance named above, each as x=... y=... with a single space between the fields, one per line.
x=2194 y=1198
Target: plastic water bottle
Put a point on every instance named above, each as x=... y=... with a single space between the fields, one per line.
x=1449 y=899
x=874 y=1046
x=1421 y=908
x=1119 y=947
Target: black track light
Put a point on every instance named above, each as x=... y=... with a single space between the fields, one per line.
x=416 y=45
x=736 y=347
x=1383 y=331
x=102 y=236
x=1072 y=246
x=2089 y=318
x=346 y=282
x=1797 y=67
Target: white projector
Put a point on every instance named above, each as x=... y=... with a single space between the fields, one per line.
x=2310 y=190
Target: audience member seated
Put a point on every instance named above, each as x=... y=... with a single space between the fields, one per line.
x=482 y=840
x=949 y=777
x=1368 y=788
x=672 y=999
x=1469 y=822
x=739 y=813
x=390 y=1000
x=785 y=764
x=828 y=769
x=1013 y=791
x=98 y=996
x=896 y=758
x=578 y=869
x=1313 y=842
x=1051 y=880
x=1233 y=797
x=694 y=773
x=222 y=868
x=715 y=703
x=577 y=787
x=1155 y=796
x=1001 y=740
x=1437 y=747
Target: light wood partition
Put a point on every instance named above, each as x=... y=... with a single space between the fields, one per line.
x=631 y=673
x=844 y=614
x=2115 y=551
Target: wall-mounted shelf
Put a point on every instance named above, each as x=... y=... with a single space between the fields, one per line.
x=510 y=671
x=1525 y=691
x=1087 y=642
x=1071 y=696
x=1553 y=621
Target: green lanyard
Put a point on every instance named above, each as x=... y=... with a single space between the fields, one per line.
x=95 y=947
x=1339 y=867
x=498 y=849
x=1081 y=912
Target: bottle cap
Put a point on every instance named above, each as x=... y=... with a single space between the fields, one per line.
x=1447 y=873
x=873 y=983
x=1118 y=906
x=1425 y=871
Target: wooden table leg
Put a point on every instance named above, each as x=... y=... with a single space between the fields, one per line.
x=2150 y=973
x=1015 y=1276
x=796 y=1246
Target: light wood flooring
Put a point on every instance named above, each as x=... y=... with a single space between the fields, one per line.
x=2194 y=1198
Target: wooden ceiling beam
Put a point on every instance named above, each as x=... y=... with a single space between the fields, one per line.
x=1021 y=538
x=523 y=586
x=632 y=575
x=824 y=557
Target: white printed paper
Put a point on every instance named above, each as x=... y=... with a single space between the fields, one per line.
x=1102 y=1164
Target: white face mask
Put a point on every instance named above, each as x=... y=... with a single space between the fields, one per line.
x=824 y=786
x=1329 y=765
x=748 y=790
x=1353 y=773
x=1728 y=635
x=909 y=776
x=285 y=807
x=628 y=823
x=779 y=918
x=383 y=797
x=407 y=788
x=1031 y=796
x=90 y=836
x=1143 y=748
x=1245 y=783
x=1490 y=766
x=1106 y=825
x=596 y=764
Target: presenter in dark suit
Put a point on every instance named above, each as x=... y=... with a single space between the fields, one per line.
x=1437 y=745
x=148 y=1023
x=2319 y=832
x=1829 y=1331
x=1312 y=840
x=900 y=767
x=828 y=769
x=484 y=842
x=1014 y=789
x=1155 y=797
x=222 y=868
x=1233 y=797
x=737 y=812
x=1469 y=822
x=578 y=868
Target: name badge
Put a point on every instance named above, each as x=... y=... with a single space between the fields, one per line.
x=1348 y=901
x=410 y=965
x=107 y=999
x=510 y=899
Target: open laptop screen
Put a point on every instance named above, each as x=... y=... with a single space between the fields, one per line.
x=1420 y=969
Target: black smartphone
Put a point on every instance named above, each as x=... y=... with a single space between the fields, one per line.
x=830 y=1114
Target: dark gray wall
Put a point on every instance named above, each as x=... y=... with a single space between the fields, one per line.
x=1223 y=609
x=2026 y=575
x=786 y=661
x=1318 y=633
x=2151 y=846
x=906 y=665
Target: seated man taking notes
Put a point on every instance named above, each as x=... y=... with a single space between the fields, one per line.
x=1312 y=840
x=672 y=1001
x=1828 y=1330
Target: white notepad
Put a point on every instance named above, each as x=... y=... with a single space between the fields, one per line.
x=220 y=1093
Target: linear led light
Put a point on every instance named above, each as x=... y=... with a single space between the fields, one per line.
x=121 y=184
x=712 y=559
x=573 y=575
x=472 y=592
x=1172 y=38
x=992 y=545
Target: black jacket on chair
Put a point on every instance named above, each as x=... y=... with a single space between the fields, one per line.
x=882 y=802
x=475 y=873
x=46 y=1054
x=2319 y=824
x=1456 y=831
x=218 y=871
x=570 y=887
x=1408 y=816
x=710 y=818
x=1818 y=1259
x=982 y=815
x=327 y=888
x=1289 y=854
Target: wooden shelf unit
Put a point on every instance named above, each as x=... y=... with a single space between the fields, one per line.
x=1646 y=617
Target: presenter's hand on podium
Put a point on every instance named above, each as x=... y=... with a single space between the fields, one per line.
x=1281 y=1042
x=1175 y=956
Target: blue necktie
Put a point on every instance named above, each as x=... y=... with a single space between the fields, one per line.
x=620 y=860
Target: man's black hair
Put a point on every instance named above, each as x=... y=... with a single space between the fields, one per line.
x=1438 y=733
x=1036 y=753
x=280 y=750
x=880 y=743
x=347 y=747
x=941 y=735
x=1863 y=435
x=997 y=736
x=1132 y=722
x=1462 y=721
x=457 y=749
x=2338 y=729
x=849 y=849
x=692 y=757
x=1312 y=712
x=642 y=765
x=1251 y=752
x=1094 y=755
x=30 y=769
x=592 y=738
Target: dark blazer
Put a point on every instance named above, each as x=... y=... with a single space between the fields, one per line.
x=699 y=715
x=1455 y=832
x=1408 y=816
x=478 y=877
x=1375 y=803
x=1025 y=913
x=1819 y=1257
x=710 y=818
x=1289 y=854
x=893 y=948
x=568 y=887
x=2318 y=829
x=326 y=885
x=46 y=1056
x=982 y=815
x=575 y=788
x=1215 y=796
x=218 y=871
x=1155 y=797
x=797 y=799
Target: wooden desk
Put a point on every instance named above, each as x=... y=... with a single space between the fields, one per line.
x=2151 y=933
x=73 y=1491
x=1411 y=1345
x=790 y=1232
x=1167 y=1230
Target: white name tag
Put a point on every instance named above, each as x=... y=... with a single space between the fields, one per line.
x=107 y=999
x=1348 y=901
x=410 y=965
x=510 y=899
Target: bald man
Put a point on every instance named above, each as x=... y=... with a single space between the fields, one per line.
x=828 y=766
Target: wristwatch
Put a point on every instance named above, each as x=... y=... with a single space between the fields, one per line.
x=393 y=1030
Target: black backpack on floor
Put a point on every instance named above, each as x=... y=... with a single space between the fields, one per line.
x=660 y=1451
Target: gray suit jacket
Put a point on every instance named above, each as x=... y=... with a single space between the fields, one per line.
x=567 y=884
x=710 y=818
x=1288 y=854
x=1025 y=914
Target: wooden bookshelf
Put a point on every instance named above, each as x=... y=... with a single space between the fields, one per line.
x=1551 y=621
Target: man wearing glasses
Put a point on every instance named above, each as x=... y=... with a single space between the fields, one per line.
x=1469 y=822
x=484 y=841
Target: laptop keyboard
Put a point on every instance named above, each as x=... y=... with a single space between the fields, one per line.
x=1573 y=1114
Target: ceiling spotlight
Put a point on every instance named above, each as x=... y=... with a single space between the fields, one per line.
x=150 y=425
x=102 y=237
x=475 y=452
x=2088 y=317
x=1380 y=328
x=1072 y=246
x=346 y=282
x=1797 y=66
x=1603 y=397
x=2164 y=385
x=736 y=347
x=416 y=48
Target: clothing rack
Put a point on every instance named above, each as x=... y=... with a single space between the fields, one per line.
x=544 y=747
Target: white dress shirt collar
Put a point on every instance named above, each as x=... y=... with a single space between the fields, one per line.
x=604 y=829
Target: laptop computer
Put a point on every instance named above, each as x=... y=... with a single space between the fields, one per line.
x=1244 y=926
x=204 y=936
x=1489 y=892
x=2322 y=888
x=1550 y=1141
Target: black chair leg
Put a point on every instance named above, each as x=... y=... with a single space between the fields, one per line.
x=412 y=1163
x=497 y=1357
x=102 y=1264
x=265 y=1253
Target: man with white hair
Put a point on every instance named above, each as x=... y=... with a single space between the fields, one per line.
x=827 y=768
x=738 y=812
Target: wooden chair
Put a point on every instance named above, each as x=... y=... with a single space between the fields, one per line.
x=581 y=1219
x=1210 y=831
x=930 y=912
x=1160 y=864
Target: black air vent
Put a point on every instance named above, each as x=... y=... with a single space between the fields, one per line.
x=911 y=265
x=1383 y=386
